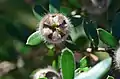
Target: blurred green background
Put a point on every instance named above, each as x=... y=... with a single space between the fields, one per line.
x=17 y=22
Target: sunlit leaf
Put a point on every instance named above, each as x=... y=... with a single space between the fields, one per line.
x=83 y=62
x=54 y=6
x=34 y=39
x=80 y=70
x=67 y=64
x=43 y=78
x=107 y=38
x=98 y=71
x=84 y=69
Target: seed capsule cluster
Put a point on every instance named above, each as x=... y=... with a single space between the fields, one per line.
x=54 y=27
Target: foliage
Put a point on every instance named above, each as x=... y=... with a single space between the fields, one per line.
x=87 y=30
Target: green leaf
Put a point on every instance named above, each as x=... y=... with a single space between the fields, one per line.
x=65 y=10
x=76 y=21
x=39 y=11
x=85 y=69
x=110 y=77
x=107 y=38
x=54 y=64
x=83 y=62
x=101 y=55
x=54 y=6
x=91 y=31
x=67 y=64
x=76 y=32
x=51 y=49
x=71 y=45
x=50 y=46
x=78 y=38
x=75 y=3
x=51 y=52
x=116 y=26
x=43 y=78
x=98 y=71
x=79 y=70
x=34 y=38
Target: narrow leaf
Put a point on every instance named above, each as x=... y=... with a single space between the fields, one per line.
x=51 y=49
x=98 y=71
x=116 y=26
x=83 y=62
x=34 y=38
x=84 y=69
x=54 y=6
x=107 y=38
x=39 y=11
x=91 y=31
x=54 y=64
x=67 y=64
x=76 y=21
x=43 y=78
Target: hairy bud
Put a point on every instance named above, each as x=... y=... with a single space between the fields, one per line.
x=49 y=73
x=117 y=58
x=95 y=7
x=5 y=67
x=54 y=27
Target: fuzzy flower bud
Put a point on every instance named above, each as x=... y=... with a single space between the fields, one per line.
x=95 y=6
x=47 y=31
x=54 y=27
x=117 y=58
x=49 y=73
x=5 y=67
